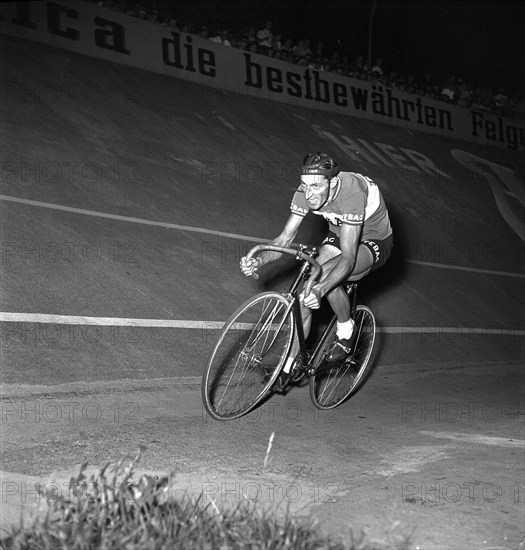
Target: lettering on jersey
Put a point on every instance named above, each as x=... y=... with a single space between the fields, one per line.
x=298 y=210
x=353 y=218
x=333 y=240
x=334 y=219
x=339 y=219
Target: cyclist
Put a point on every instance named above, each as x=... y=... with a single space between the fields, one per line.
x=359 y=240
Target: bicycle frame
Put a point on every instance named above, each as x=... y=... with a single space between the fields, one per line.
x=306 y=255
x=236 y=378
x=298 y=318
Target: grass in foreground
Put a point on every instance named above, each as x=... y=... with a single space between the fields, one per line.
x=109 y=510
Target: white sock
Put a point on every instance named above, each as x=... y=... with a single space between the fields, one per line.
x=288 y=365
x=345 y=330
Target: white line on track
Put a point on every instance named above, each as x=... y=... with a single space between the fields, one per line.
x=463 y=268
x=105 y=321
x=219 y=233
x=451 y=329
x=130 y=219
x=45 y=318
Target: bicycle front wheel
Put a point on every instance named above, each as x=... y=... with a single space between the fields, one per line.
x=248 y=356
x=332 y=384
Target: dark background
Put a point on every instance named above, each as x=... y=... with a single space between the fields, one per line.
x=481 y=41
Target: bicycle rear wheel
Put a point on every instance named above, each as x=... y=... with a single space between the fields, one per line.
x=248 y=356
x=332 y=384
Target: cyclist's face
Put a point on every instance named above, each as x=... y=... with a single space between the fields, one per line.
x=316 y=190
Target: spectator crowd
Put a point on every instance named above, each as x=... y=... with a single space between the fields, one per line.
x=267 y=41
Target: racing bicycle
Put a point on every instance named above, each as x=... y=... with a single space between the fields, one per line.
x=254 y=343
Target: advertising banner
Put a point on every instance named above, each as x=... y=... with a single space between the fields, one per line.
x=88 y=29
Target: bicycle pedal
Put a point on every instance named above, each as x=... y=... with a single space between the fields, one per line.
x=279 y=388
x=283 y=381
x=297 y=377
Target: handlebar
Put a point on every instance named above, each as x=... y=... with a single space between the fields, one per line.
x=300 y=253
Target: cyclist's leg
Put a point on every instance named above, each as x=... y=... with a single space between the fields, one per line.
x=341 y=362
x=338 y=298
x=340 y=302
x=332 y=384
x=327 y=258
x=370 y=256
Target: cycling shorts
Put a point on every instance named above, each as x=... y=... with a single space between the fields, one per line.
x=380 y=249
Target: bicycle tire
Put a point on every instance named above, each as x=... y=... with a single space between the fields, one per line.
x=331 y=385
x=248 y=356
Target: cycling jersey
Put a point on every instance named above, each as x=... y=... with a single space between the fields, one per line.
x=357 y=201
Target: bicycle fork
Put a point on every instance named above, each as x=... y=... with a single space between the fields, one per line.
x=300 y=329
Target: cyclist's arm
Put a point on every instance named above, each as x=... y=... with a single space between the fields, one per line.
x=286 y=238
x=349 y=242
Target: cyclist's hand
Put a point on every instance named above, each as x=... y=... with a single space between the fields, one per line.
x=313 y=299
x=249 y=265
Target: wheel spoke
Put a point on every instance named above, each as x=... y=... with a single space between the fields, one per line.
x=264 y=330
x=331 y=385
x=246 y=359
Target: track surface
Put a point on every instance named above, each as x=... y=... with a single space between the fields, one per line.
x=133 y=208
